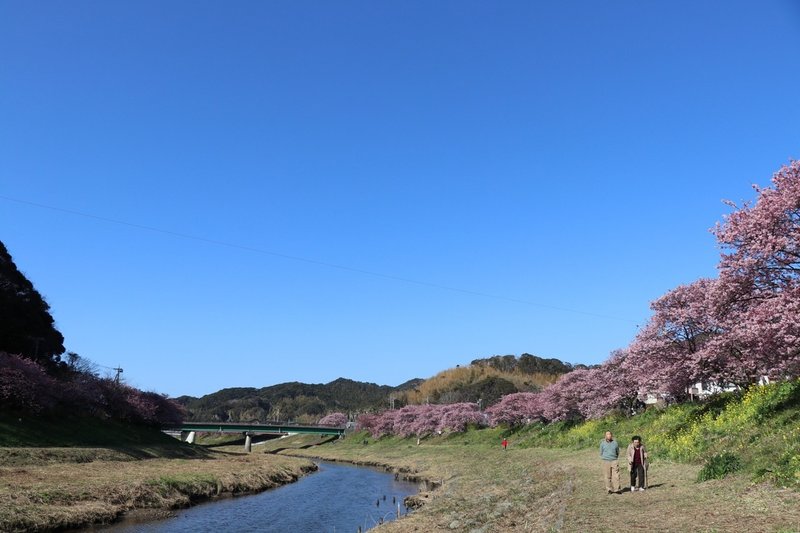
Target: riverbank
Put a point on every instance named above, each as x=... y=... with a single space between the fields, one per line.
x=486 y=489
x=44 y=489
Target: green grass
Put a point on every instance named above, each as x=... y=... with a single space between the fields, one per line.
x=473 y=485
x=196 y=484
x=758 y=430
x=48 y=439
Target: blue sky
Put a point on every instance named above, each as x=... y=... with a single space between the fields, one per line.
x=217 y=194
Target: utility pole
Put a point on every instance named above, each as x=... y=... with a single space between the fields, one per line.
x=36 y=341
x=116 y=378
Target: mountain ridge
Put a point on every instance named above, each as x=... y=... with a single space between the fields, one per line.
x=483 y=381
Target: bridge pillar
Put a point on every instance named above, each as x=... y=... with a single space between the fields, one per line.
x=190 y=438
x=248 y=443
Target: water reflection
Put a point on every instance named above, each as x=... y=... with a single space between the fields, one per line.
x=338 y=498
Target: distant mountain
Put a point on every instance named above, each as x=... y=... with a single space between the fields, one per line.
x=486 y=380
x=301 y=402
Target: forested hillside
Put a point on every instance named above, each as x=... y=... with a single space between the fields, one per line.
x=36 y=380
x=290 y=401
x=486 y=380
x=526 y=364
x=26 y=325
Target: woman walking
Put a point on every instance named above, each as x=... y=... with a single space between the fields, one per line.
x=637 y=464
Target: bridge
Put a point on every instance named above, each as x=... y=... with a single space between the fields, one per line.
x=248 y=430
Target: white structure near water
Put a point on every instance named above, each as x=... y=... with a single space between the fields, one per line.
x=700 y=390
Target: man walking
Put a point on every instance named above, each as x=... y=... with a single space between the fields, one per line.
x=609 y=454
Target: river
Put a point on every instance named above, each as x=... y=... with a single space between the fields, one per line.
x=336 y=499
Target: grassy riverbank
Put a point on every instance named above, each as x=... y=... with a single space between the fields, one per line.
x=45 y=488
x=484 y=489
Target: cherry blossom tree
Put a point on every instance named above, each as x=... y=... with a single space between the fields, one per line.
x=612 y=387
x=668 y=354
x=760 y=282
x=426 y=420
x=385 y=423
x=516 y=409
x=25 y=386
x=422 y=420
x=763 y=240
x=457 y=417
x=367 y=422
x=334 y=419
x=734 y=329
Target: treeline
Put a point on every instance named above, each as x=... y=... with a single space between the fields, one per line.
x=739 y=329
x=26 y=388
x=483 y=382
x=526 y=364
x=26 y=326
x=301 y=402
x=36 y=378
x=486 y=381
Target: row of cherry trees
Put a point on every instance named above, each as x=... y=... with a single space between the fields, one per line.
x=744 y=324
x=26 y=388
x=734 y=329
x=423 y=419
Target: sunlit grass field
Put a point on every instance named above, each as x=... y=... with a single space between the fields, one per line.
x=549 y=478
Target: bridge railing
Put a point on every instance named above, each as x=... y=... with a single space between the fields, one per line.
x=237 y=427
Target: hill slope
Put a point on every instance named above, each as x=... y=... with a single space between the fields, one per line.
x=485 y=379
x=290 y=401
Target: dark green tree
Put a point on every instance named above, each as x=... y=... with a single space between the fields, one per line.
x=26 y=325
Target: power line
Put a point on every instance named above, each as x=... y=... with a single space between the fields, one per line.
x=307 y=260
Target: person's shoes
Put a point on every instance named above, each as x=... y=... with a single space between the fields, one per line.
x=633 y=489
x=609 y=491
x=641 y=488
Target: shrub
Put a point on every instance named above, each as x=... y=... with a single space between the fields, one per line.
x=718 y=466
x=26 y=387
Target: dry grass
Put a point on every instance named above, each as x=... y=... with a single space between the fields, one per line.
x=456 y=378
x=50 y=495
x=542 y=490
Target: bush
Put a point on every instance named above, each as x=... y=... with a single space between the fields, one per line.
x=719 y=466
x=26 y=388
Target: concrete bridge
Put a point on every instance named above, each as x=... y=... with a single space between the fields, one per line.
x=248 y=430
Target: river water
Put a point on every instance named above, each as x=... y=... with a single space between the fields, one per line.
x=336 y=499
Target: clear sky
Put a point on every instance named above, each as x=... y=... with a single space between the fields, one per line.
x=218 y=194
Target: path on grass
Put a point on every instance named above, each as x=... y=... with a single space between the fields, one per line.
x=675 y=502
x=544 y=490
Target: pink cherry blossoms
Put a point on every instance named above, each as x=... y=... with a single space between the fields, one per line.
x=421 y=420
x=735 y=329
x=25 y=387
x=334 y=420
